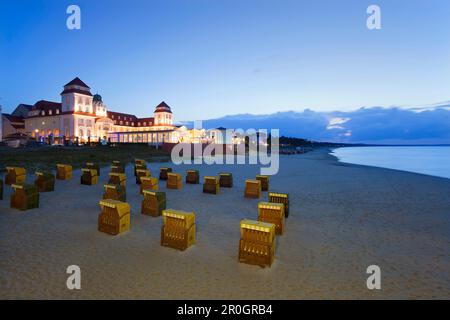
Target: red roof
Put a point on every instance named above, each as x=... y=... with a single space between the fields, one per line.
x=73 y=90
x=163 y=107
x=13 y=119
x=130 y=117
x=47 y=105
x=148 y=121
x=77 y=82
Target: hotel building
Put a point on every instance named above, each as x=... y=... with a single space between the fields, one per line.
x=83 y=117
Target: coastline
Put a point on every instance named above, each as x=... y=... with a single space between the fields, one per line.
x=384 y=167
x=344 y=217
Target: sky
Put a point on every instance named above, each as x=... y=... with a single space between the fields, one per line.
x=210 y=58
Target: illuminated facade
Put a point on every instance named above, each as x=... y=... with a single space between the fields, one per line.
x=83 y=117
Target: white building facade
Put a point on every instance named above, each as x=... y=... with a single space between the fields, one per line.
x=83 y=117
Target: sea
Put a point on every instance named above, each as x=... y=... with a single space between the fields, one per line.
x=430 y=160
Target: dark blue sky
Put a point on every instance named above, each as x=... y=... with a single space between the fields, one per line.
x=208 y=58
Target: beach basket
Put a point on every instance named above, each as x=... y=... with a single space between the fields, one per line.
x=1 y=189
x=117 y=178
x=174 y=181
x=117 y=163
x=252 y=188
x=148 y=183
x=95 y=166
x=277 y=197
x=114 y=217
x=45 y=181
x=139 y=167
x=272 y=213
x=211 y=185
x=24 y=196
x=226 y=180
x=192 y=177
x=63 y=172
x=115 y=192
x=139 y=164
x=154 y=203
x=163 y=173
x=178 y=231
x=142 y=173
x=89 y=177
x=139 y=161
x=15 y=175
x=257 y=243
x=264 y=182
x=117 y=169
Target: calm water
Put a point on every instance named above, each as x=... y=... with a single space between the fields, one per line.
x=434 y=161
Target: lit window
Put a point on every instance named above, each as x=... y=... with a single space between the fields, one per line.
x=49 y=112
x=57 y=111
x=43 y=113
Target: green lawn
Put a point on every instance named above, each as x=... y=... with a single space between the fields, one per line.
x=46 y=157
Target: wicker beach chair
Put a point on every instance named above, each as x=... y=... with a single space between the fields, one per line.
x=277 y=197
x=63 y=172
x=264 y=182
x=226 y=180
x=192 y=177
x=154 y=203
x=252 y=189
x=178 y=231
x=95 y=166
x=89 y=177
x=24 y=197
x=142 y=173
x=272 y=213
x=117 y=178
x=148 y=183
x=163 y=173
x=45 y=181
x=174 y=181
x=15 y=175
x=211 y=185
x=114 y=217
x=257 y=243
x=115 y=192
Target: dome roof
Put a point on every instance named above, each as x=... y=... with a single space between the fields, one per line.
x=163 y=107
x=97 y=97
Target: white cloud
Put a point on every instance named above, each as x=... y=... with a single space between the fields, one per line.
x=335 y=123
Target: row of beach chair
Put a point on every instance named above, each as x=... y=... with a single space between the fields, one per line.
x=257 y=242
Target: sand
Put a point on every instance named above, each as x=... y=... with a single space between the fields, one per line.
x=343 y=218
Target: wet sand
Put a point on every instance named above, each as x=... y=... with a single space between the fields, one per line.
x=343 y=218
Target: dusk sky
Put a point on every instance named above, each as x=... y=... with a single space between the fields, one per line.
x=210 y=58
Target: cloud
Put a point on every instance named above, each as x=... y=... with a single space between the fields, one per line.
x=365 y=125
x=335 y=123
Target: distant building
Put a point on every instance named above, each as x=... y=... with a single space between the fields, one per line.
x=81 y=116
x=12 y=125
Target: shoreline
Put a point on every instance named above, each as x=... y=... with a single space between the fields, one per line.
x=378 y=167
x=343 y=218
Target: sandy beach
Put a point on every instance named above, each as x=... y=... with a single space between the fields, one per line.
x=343 y=218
